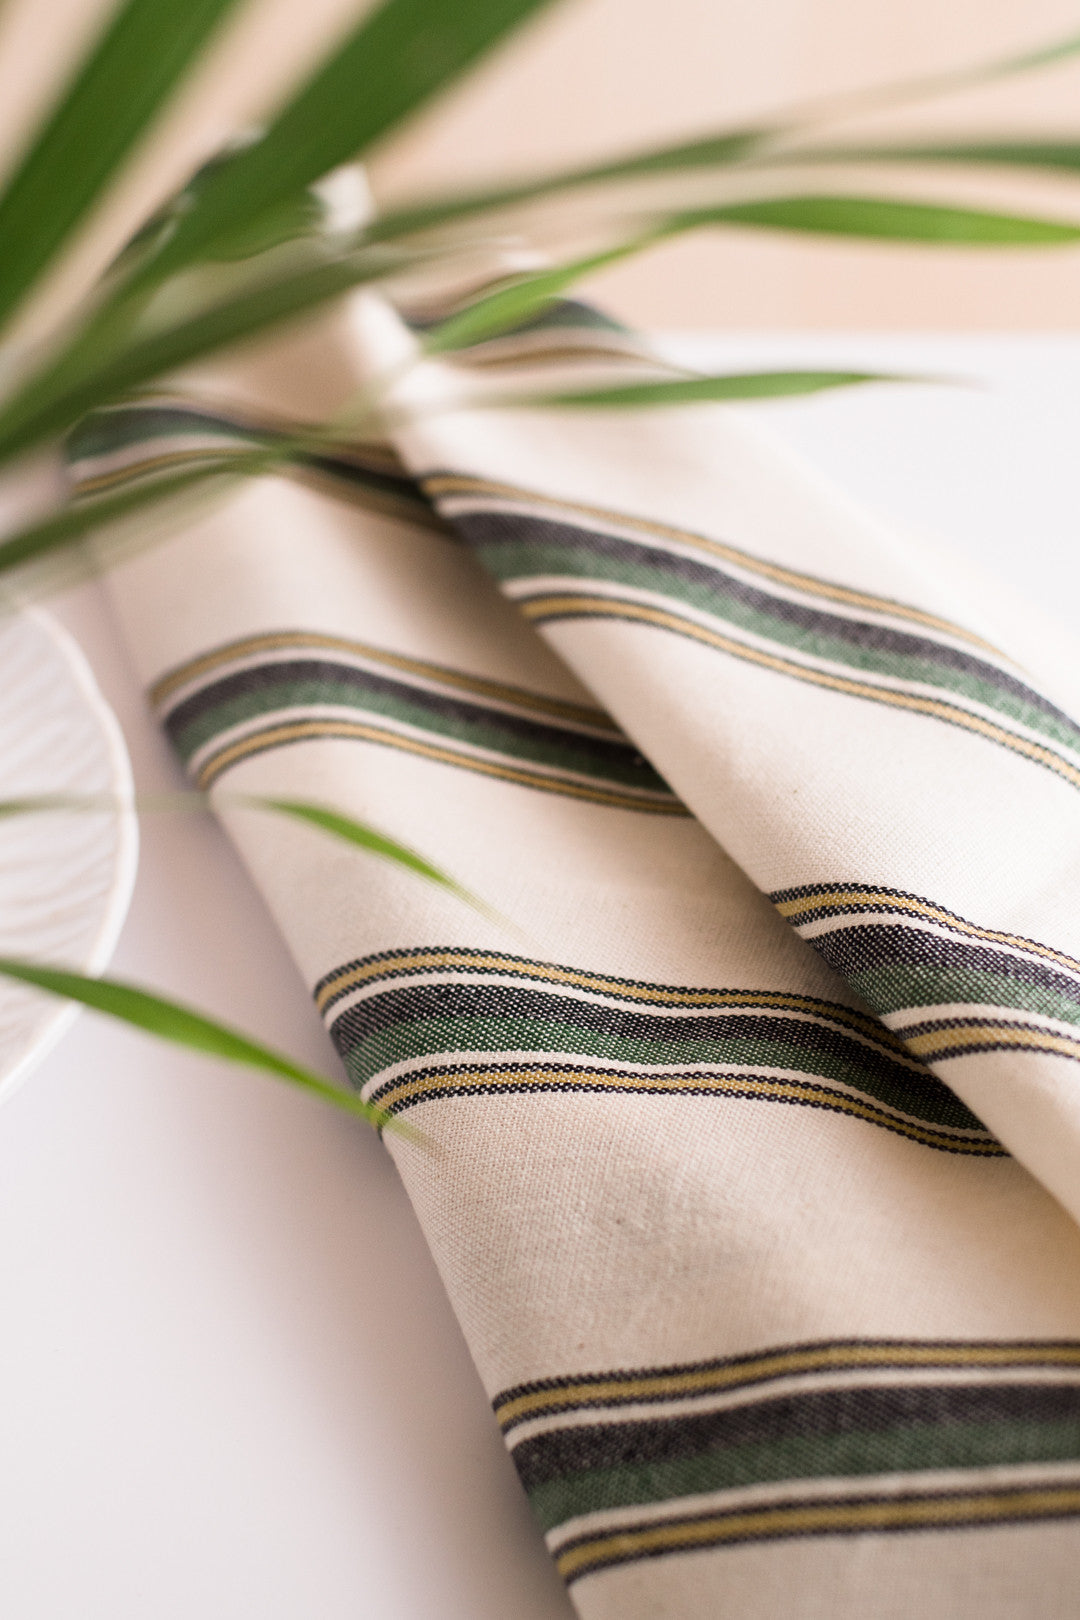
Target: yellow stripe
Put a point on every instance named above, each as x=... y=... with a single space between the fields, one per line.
x=821 y=1518
x=539 y=608
x=376 y=456
x=778 y=1364
x=304 y=730
x=848 y=899
x=520 y=355
x=954 y=1042
x=318 y=477
x=278 y=641
x=151 y=464
x=452 y=484
x=494 y=962
x=407 y=1093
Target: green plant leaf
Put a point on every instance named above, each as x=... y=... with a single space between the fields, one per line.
x=183 y=1026
x=933 y=86
x=368 y=838
x=321 y=816
x=516 y=301
x=719 y=150
x=884 y=219
x=401 y=56
x=106 y=803
x=769 y=141
x=696 y=390
x=53 y=401
x=1061 y=152
x=115 y=94
x=1054 y=51
x=39 y=541
x=354 y=832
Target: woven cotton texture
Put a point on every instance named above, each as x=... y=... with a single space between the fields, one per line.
x=752 y=1109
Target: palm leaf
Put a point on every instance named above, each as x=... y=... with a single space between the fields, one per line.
x=710 y=151
x=1054 y=152
x=517 y=301
x=358 y=833
x=41 y=541
x=115 y=94
x=884 y=219
x=57 y=398
x=699 y=390
x=183 y=1026
x=767 y=142
x=171 y=1021
x=400 y=57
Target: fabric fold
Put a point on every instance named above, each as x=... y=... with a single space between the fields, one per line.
x=861 y=738
x=772 y=1321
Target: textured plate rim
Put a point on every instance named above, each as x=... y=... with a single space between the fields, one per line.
x=56 y=1022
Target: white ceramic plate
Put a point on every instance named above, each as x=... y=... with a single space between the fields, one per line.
x=65 y=875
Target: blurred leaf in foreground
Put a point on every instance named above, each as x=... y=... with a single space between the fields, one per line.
x=885 y=219
x=700 y=390
x=171 y=1021
x=114 y=96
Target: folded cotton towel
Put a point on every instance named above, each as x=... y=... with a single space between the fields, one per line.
x=751 y=1234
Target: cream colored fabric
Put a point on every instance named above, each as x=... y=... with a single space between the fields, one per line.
x=775 y=1327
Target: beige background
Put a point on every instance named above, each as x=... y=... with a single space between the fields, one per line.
x=591 y=76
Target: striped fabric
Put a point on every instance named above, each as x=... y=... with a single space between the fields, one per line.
x=749 y=1114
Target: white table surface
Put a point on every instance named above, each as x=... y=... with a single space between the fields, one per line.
x=231 y=1383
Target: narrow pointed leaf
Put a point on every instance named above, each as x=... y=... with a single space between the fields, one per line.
x=104 y=803
x=54 y=401
x=934 y=86
x=355 y=832
x=45 y=802
x=326 y=819
x=516 y=302
x=362 y=836
x=697 y=390
x=886 y=219
x=720 y=148
x=171 y=1021
x=52 y=535
x=400 y=57
x=1058 y=153
x=116 y=93
x=1056 y=50
x=711 y=151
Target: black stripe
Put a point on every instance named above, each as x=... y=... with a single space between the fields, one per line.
x=468 y=959
x=873 y=1071
x=868 y=946
x=339 y=682
x=818 y=1414
x=494 y=528
x=574 y=1077
x=767 y=1365
x=838 y=904
x=985 y=1508
x=105 y=432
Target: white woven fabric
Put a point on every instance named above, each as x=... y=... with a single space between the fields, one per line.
x=760 y=1241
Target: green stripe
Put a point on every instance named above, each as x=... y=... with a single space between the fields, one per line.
x=105 y=433
x=418 y=1039
x=111 y=432
x=484 y=733
x=509 y=560
x=890 y=1451
x=893 y=988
